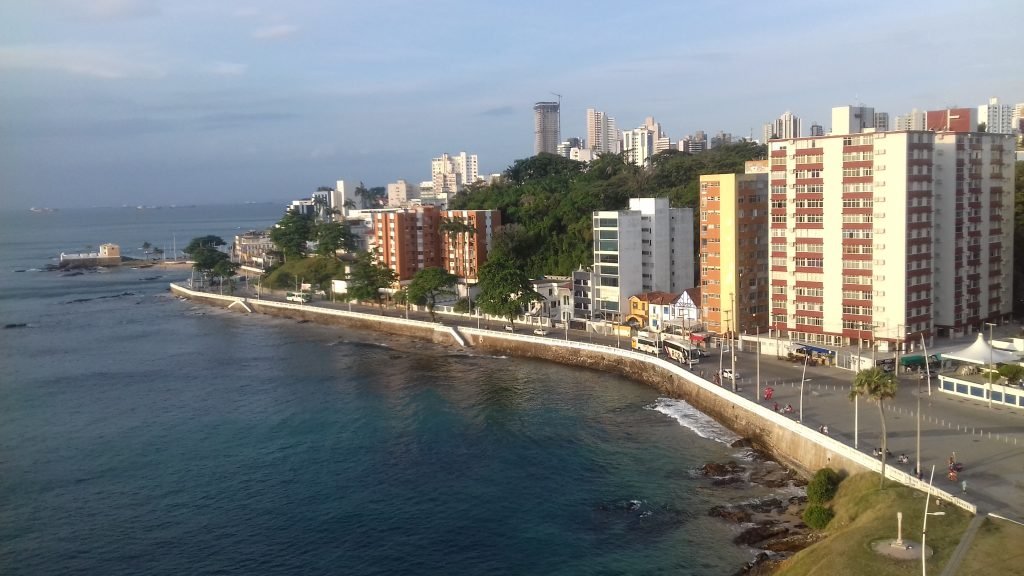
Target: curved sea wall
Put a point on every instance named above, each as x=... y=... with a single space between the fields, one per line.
x=789 y=441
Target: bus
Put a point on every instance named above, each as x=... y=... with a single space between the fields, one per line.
x=300 y=297
x=680 y=352
x=646 y=344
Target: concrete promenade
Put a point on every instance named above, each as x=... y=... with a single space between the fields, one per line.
x=989 y=442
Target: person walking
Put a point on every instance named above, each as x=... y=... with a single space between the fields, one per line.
x=963 y=487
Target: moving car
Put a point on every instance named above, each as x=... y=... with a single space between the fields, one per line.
x=727 y=374
x=540 y=332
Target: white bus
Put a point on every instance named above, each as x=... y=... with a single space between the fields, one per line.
x=645 y=344
x=300 y=297
x=680 y=352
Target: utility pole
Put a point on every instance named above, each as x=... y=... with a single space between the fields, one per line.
x=927 y=364
x=735 y=335
x=991 y=363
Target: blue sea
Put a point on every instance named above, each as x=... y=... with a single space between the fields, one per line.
x=141 y=434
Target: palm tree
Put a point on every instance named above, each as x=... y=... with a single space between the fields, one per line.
x=877 y=385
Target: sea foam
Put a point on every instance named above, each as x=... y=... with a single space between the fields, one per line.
x=700 y=423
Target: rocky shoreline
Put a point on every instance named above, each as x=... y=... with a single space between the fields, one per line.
x=773 y=525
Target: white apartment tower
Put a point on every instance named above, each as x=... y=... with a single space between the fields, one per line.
x=998 y=118
x=450 y=174
x=875 y=235
x=852 y=119
x=602 y=136
x=647 y=247
x=638 y=145
x=785 y=127
x=401 y=193
x=915 y=120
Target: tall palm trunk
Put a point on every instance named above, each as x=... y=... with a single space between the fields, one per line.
x=881 y=414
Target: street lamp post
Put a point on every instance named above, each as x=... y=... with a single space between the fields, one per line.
x=918 y=435
x=924 y=524
x=758 y=377
x=803 y=377
x=991 y=364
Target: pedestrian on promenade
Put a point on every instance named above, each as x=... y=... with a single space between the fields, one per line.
x=963 y=487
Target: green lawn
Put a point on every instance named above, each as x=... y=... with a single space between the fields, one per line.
x=865 y=514
x=998 y=548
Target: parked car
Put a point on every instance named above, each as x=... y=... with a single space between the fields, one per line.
x=509 y=328
x=727 y=374
x=540 y=332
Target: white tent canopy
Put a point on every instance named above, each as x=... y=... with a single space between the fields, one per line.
x=981 y=353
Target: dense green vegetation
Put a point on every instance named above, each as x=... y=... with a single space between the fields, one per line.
x=549 y=200
x=316 y=270
x=820 y=490
x=208 y=260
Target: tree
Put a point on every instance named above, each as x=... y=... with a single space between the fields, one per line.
x=207 y=259
x=877 y=385
x=291 y=233
x=367 y=278
x=334 y=236
x=428 y=284
x=505 y=288
x=145 y=247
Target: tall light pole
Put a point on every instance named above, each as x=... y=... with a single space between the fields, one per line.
x=918 y=435
x=991 y=363
x=924 y=524
x=927 y=364
x=757 y=394
x=803 y=377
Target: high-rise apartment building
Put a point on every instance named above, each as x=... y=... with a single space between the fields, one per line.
x=638 y=145
x=817 y=129
x=602 y=135
x=915 y=120
x=408 y=240
x=647 y=247
x=877 y=234
x=785 y=127
x=547 y=131
x=450 y=174
x=733 y=224
x=401 y=193
x=466 y=245
x=852 y=119
x=998 y=118
x=881 y=121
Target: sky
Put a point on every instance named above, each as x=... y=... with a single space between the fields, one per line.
x=140 y=102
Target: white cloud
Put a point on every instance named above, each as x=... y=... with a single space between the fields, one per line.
x=274 y=32
x=227 y=68
x=79 y=60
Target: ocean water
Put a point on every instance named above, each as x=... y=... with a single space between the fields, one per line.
x=141 y=434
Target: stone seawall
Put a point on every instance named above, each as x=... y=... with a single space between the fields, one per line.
x=790 y=442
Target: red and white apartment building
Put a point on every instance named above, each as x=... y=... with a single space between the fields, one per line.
x=411 y=239
x=877 y=235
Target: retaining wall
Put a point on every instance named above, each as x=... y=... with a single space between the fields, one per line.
x=789 y=441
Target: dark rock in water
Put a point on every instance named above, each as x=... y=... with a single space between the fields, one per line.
x=719 y=470
x=762 y=565
x=66 y=274
x=742 y=443
x=726 y=481
x=760 y=533
x=21 y=270
x=737 y=515
x=16 y=325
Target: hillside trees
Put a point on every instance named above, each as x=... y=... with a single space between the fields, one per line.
x=551 y=199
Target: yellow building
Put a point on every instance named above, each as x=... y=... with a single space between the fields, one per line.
x=734 y=252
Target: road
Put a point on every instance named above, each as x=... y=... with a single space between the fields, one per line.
x=988 y=441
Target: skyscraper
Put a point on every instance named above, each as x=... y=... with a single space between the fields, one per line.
x=546 y=127
x=602 y=135
x=787 y=126
x=997 y=117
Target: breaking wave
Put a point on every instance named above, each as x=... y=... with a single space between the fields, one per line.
x=700 y=423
